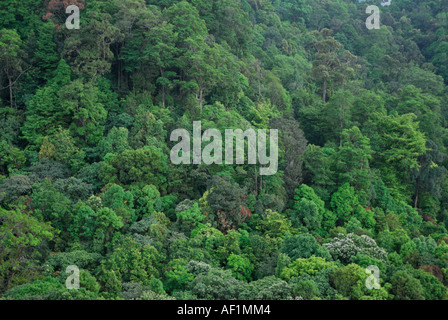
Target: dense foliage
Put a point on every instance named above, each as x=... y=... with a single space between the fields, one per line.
x=85 y=171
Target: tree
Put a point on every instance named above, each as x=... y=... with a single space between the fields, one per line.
x=227 y=203
x=162 y=53
x=84 y=223
x=12 y=189
x=37 y=290
x=87 y=111
x=331 y=65
x=11 y=60
x=61 y=147
x=116 y=142
x=106 y=223
x=230 y=23
x=311 y=266
x=352 y=162
x=11 y=158
x=132 y=262
x=307 y=289
x=49 y=205
x=345 y=247
x=345 y=204
x=241 y=267
x=20 y=234
x=319 y=171
x=440 y=57
x=177 y=275
x=121 y=201
x=46 y=56
x=148 y=129
x=400 y=144
x=187 y=23
x=337 y=113
x=303 y=246
x=350 y=281
x=275 y=225
x=45 y=110
x=88 y=51
x=293 y=10
x=191 y=216
x=147 y=200
x=268 y=288
x=216 y=284
x=201 y=63
x=406 y=287
x=402 y=140
x=293 y=143
x=143 y=166
x=309 y=209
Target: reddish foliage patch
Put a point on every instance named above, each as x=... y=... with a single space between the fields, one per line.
x=435 y=271
x=57 y=8
x=428 y=218
x=245 y=212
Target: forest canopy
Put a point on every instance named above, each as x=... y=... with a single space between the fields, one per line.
x=86 y=178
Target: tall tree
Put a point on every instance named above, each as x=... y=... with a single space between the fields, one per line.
x=293 y=143
x=11 y=59
x=332 y=65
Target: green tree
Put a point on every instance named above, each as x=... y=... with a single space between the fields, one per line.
x=61 y=147
x=116 y=141
x=352 y=162
x=132 y=262
x=20 y=234
x=311 y=266
x=309 y=209
x=331 y=65
x=191 y=216
x=87 y=111
x=293 y=143
x=88 y=50
x=350 y=281
x=345 y=204
x=11 y=60
x=143 y=166
x=241 y=267
x=406 y=287
x=45 y=110
x=303 y=246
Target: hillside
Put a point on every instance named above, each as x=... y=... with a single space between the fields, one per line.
x=115 y=152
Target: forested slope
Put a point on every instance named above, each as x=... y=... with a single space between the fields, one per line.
x=86 y=177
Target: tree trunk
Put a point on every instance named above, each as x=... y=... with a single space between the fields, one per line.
x=340 y=136
x=163 y=89
x=258 y=79
x=416 y=194
x=9 y=85
x=256 y=182
x=10 y=92
x=200 y=97
x=324 y=97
